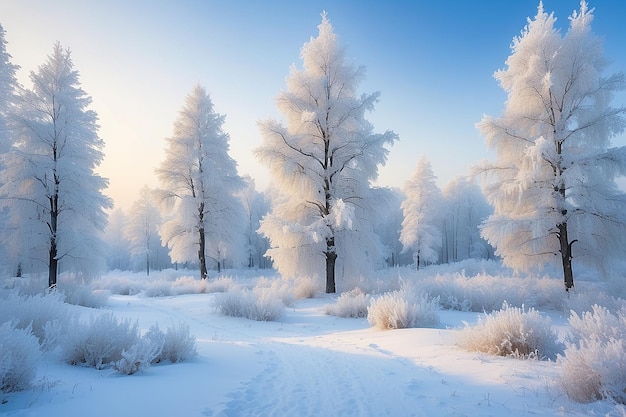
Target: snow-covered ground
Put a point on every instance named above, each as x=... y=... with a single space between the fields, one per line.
x=305 y=364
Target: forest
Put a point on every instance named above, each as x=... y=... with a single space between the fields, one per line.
x=544 y=211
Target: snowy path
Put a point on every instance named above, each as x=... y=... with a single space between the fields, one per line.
x=306 y=381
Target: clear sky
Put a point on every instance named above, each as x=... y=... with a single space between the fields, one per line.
x=432 y=61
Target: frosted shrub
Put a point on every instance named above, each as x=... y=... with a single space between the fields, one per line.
x=352 y=303
x=483 y=292
x=305 y=287
x=121 y=285
x=19 y=356
x=176 y=343
x=84 y=295
x=403 y=309
x=138 y=357
x=101 y=342
x=157 y=289
x=281 y=288
x=219 y=284
x=261 y=304
x=36 y=312
x=594 y=362
x=513 y=332
x=581 y=301
x=191 y=285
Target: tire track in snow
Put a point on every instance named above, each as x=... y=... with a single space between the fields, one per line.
x=301 y=381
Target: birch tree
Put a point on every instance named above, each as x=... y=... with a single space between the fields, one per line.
x=322 y=162
x=203 y=217
x=552 y=184
x=49 y=182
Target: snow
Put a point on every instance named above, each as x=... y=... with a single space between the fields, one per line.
x=305 y=364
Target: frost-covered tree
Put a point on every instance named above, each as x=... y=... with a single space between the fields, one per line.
x=118 y=246
x=421 y=232
x=142 y=228
x=203 y=216
x=322 y=163
x=56 y=204
x=8 y=92
x=463 y=211
x=8 y=98
x=389 y=226
x=552 y=184
x=255 y=207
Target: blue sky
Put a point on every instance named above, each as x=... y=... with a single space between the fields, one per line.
x=432 y=61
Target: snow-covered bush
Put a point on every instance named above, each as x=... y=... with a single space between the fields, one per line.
x=514 y=332
x=192 y=285
x=101 y=342
x=351 y=303
x=281 y=288
x=137 y=357
x=594 y=363
x=176 y=343
x=157 y=289
x=84 y=295
x=582 y=300
x=19 y=356
x=260 y=304
x=305 y=287
x=482 y=292
x=122 y=285
x=403 y=309
x=36 y=312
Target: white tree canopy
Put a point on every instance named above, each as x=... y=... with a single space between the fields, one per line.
x=203 y=218
x=322 y=163
x=421 y=231
x=552 y=184
x=55 y=200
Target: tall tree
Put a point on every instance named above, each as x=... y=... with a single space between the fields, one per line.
x=421 y=208
x=8 y=99
x=8 y=92
x=49 y=177
x=322 y=163
x=552 y=184
x=255 y=207
x=142 y=228
x=199 y=180
x=118 y=245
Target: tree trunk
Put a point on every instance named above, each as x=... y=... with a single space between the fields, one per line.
x=201 y=256
x=148 y=264
x=417 y=260
x=53 y=261
x=566 y=256
x=52 y=264
x=331 y=257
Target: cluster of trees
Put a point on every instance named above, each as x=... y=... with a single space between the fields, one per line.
x=135 y=238
x=549 y=193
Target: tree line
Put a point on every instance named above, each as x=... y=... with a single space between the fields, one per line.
x=549 y=195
